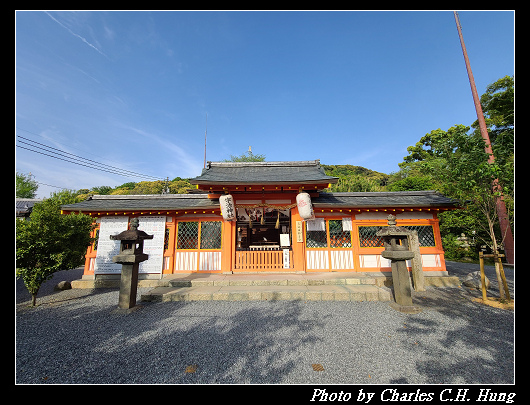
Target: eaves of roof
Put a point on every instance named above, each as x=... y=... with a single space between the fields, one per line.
x=143 y=202
x=385 y=199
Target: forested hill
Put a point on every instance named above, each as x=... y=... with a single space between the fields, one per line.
x=356 y=178
x=351 y=178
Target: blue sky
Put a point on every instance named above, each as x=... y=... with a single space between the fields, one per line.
x=132 y=89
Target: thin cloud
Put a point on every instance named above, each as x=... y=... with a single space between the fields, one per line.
x=189 y=166
x=76 y=35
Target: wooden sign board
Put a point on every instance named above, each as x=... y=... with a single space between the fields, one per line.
x=299 y=231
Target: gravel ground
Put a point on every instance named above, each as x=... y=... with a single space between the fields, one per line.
x=77 y=336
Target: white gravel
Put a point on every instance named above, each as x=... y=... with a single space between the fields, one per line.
x=76 y=336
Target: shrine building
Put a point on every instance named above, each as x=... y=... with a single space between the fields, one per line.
x=246 y=217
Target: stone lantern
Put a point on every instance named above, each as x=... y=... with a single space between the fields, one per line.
x=397 y=250
x=130 y=256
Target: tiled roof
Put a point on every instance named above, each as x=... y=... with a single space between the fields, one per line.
x=143 y=202
x=25 y=205
x=388 y=199
x=426 y=198
x=263 y=173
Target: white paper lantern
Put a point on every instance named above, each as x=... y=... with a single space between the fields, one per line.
x=305 y=208
x=227 y=207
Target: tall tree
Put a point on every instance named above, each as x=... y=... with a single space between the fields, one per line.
x=498 y=107
x=453 y=160
x=459 y=163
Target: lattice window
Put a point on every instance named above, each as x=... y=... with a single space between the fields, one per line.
x=337 y=237
x=425 y=234
x=316 y=239
x=188 y=235
x=166 y=239
x=211 y=235
x=368 y=237
x=96 y=240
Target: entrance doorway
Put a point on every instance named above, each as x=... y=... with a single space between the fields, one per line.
x=263 y=239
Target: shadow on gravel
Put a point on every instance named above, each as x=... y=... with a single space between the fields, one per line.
x=82 y=343
x=484 y=337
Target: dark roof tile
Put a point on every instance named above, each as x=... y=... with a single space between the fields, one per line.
x=263 y=172
x=388 y=199
x=425 y=198
x=143 y=202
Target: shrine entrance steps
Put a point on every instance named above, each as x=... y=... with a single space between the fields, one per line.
x=333 y=286
x=328 y=286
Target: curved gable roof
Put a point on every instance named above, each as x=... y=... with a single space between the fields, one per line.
x=224 y=173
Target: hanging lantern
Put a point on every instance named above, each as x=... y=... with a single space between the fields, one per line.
x=227 y=207
x=305 y=208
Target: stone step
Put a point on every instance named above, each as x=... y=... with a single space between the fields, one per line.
x=261 y=279
x=329 y=292
x=272 y=282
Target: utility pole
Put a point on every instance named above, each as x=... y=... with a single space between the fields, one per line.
x=205 y=132
x=504 y=223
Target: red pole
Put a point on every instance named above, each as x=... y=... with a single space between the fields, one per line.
x=506 y=230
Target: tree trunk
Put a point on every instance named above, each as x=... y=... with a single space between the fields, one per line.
x=33 y=299
x=495 y=251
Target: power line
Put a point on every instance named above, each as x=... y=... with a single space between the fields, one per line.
x=79 y=160
x=64 y=146
x=75 y=158
x=85 y=165
x=44 y=184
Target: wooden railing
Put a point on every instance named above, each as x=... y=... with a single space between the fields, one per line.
x=261 y=260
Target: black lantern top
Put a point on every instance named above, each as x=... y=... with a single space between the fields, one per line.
x=395 y=241
x=132 y=234
x=132 y=245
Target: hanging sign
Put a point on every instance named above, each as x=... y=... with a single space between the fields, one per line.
x=249 y=214
x=108 y=248
x=156 y=226
x=317 y=224
x=347 y=224
x=227 y=207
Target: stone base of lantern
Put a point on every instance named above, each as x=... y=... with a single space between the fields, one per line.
x=406 y=309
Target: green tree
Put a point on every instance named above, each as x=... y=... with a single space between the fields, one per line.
x=412 y=183
x=180 y=186
x=356 y=183
x=50 y=241
x=246 y=157
x=26 y=186
x=355 y=178
x=129 y=185
x=175 y=186
x=103 y=190
x=498 y=107
x=457 y=160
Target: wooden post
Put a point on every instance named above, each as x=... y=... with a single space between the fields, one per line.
x=498 y=273
x=503 y=277
x=417 y=269
x=482 y=275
